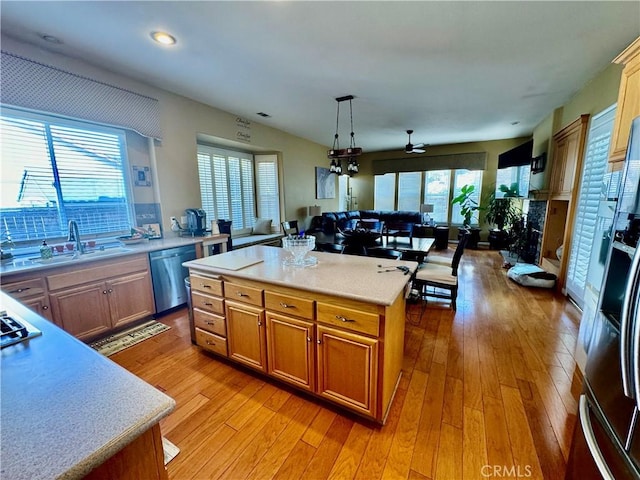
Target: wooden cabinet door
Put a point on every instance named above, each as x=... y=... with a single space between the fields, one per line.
x=40 y=305
x=347 y=369
x=558 y=170
x=83 y=311
x=130 y=298
x=628 y=101
x=290 y=350
x=246 y=337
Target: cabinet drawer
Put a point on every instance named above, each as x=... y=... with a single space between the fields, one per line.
x=26 y=288
x=207 y=302
x=300 y=307
x=209 y=322
x=348 y=318
x=206 y=285
x=241 y=293
x=211 y=342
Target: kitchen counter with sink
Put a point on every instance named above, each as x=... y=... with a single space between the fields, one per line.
x=111 y=249
x=66 y=409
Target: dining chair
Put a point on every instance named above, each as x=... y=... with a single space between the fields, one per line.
x=441 y=281
x=384 y=253
x=290 y=227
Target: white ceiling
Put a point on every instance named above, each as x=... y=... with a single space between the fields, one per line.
x=452 y=71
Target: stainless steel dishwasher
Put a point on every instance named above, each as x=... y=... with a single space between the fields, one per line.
x=168 y=274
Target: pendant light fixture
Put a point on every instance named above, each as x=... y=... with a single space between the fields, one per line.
x=336 y=154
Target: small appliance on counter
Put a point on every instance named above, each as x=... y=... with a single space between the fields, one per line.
x=196 y=221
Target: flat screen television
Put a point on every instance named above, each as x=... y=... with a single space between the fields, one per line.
x=520 y=155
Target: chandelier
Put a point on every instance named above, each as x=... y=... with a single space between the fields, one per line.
x=337 y=154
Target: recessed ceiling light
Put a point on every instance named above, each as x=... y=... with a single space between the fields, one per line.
x=50 y=39
x=163 y=38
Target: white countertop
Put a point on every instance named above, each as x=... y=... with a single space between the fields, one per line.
x=347 y=276
x=65 y=408
x=20 y=264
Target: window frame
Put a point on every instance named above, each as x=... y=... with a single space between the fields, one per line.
x=26 y=245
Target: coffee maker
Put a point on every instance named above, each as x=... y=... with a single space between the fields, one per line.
x=196 y=221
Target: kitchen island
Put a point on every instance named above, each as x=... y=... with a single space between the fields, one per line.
x=334 y=328
x=68 y=412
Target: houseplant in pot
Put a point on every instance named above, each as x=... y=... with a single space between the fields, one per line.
x=502 y=213
x=468 y=208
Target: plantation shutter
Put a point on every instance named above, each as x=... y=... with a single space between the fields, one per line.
x=267 y=188
x=594 y=168
x=409 y=184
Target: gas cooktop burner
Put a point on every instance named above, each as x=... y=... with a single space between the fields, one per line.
x=14 y=330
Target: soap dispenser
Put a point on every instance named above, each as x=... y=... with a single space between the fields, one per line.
x=45 y=251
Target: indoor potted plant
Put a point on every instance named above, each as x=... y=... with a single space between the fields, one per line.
x=502 y=213
x=468 y=207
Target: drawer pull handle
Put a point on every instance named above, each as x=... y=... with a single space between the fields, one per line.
x=208 y=304
x=20 y=290
x=318 y=342
x=259 y=324
x=45 y=307
x=286 y=305
x=110 y=290
x=211 y=323
x=344 y=319
x=205 y=285
x=211 y=343
x=240 y=294
x=308 y=339
x=104 y=292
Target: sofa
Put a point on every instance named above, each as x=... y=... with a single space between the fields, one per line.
x=397 y=223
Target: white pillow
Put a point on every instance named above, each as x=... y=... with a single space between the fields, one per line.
x=262 y=227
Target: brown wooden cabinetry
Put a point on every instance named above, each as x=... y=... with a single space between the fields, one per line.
x=32 y=292
x=628 y=106
x=347 y=369
x=325 y=345
x=568 y=148
x=290 y=350
x=102 y=296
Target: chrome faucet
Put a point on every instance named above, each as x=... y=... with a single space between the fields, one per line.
x=74 y=236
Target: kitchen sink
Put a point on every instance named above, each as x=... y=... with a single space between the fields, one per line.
x=70 y=257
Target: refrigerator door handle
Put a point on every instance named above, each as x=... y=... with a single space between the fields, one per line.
x=592 y=443
x=636 y=341
x=625 y=324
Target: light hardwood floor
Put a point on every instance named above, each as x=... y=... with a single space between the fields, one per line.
x=487 y=392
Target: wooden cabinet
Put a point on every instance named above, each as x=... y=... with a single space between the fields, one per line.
x=628 y=106
x=568 y=148
x=91 y=301
x=247 y=338
x=347 y=369
x=328 y=346
x=32 y=292
x=290 y=350
x=209 y=322
x=567 y=158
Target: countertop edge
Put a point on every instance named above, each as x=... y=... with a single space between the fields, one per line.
x=98 y=457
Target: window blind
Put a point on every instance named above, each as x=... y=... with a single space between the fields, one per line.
x=36 y=86
x=54 y=171
x=594 y=167
x=267 y=188
x=436 y=192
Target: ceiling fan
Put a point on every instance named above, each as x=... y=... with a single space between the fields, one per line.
x=411 y=148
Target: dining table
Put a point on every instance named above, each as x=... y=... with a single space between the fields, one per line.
x=416 y=248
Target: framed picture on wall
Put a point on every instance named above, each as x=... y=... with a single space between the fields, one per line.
x=141 y=176
x=325 y=183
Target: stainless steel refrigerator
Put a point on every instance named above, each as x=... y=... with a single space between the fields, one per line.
x=606 y=440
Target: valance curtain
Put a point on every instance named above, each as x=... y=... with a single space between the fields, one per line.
x=469 y=161
x=36 y=86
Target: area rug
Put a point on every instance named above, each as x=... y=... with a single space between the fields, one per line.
x=170 y=450
x=127 y=338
